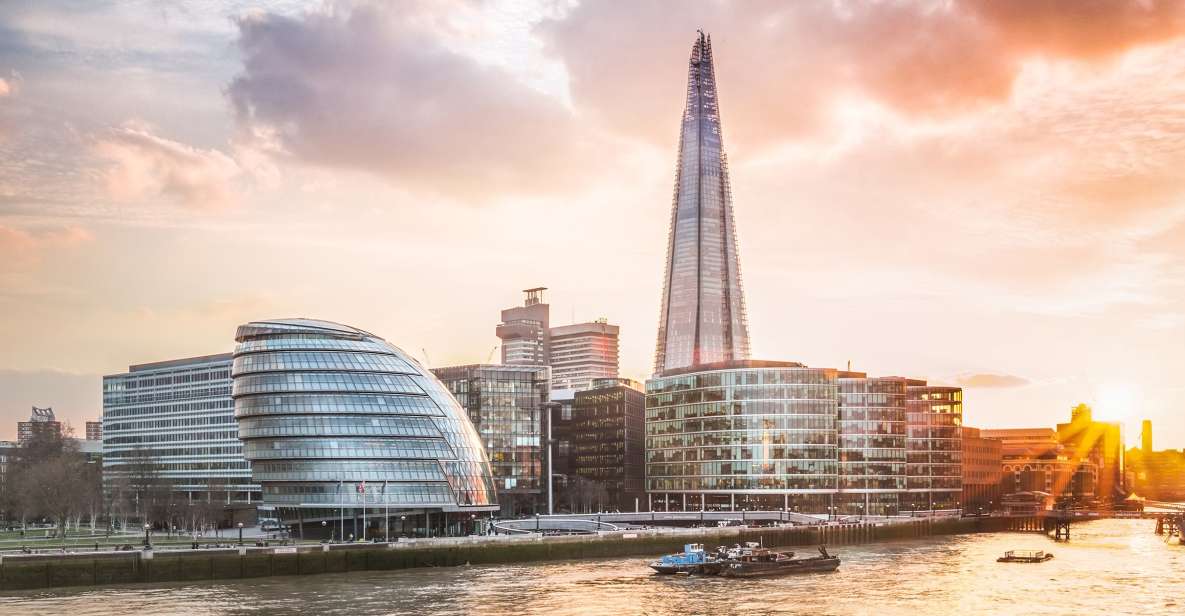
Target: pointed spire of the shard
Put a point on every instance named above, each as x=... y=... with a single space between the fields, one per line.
x=703 y=307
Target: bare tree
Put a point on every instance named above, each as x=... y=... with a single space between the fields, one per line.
x=53 y=489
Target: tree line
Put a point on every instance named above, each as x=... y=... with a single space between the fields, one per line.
x=48 y=479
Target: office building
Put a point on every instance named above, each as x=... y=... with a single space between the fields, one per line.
x=872 y=444
x=742 y=435
x=7 y=458
x=581 y=353
x=332 y=418
x=523 y=331
x=607 y=439
x=1101 y=443
x=41 y=421
x=506 y=405
x=577 y=353
x=982 y=471
x=177 y=418
x=1033 y=460
x=934 y=450
x=94 y=430
x=558 y=447
x=703 y=305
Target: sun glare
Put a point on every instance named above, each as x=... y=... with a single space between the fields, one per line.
x=1116 y=402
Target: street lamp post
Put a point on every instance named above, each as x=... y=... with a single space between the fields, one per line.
x=147 y=542
x=402 y=519
x=240 y=525
x=549 y=408
x=323 y=525
x=473 y=524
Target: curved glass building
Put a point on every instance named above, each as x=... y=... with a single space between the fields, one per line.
x=336 y=421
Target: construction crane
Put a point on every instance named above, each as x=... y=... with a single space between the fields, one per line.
x=490 y=357
x=427 y=360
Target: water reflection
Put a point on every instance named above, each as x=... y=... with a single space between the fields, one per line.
x=1110 y=566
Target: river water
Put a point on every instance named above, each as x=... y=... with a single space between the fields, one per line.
x=1109 y=567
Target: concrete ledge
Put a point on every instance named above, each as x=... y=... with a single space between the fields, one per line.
x=29 y=571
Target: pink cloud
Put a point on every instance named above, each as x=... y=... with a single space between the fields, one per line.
x=5 y=88
x=373 y=89
x=146 y=166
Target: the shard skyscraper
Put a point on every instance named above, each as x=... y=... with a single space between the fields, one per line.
x=703 y=306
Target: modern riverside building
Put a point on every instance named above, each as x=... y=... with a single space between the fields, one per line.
x=934 y=451
x=703 y=306
x=581 y=353
x=523 y=331
x=41 y=421
x=177 y=418
x=506 y=404
x=742 y=435
x=337 y=421
x=606 y=438
x=872 y=444
x=982 y=471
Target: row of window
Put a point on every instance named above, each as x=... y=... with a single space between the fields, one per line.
x=726 y=394
x=743 y=437
x=741 y=453
x=224 y=417
x=296 y=404
x=776 y=376
x=296 y=343
x=135 y=381
x=326 y=360
x=341 y=425
x=801 y=482
x=167 y=395
x=750 y=407
x=297 y=448
x=349 y=470
x=175 y=437
x=298 y=382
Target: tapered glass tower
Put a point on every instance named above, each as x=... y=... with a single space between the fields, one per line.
x=703 y=307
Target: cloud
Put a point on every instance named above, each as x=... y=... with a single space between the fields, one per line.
x=783 y=66
x=990 y=381
x=146 y=166
x=21 y=245
x=5 y=87
x=370 y=89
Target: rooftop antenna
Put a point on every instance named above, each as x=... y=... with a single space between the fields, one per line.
x=849 y=365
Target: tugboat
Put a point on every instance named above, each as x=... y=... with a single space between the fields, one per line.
x=765 y=563
x=1024 y=556
x=691 y=560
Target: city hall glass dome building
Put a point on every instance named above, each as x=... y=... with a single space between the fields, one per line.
x=337 y=422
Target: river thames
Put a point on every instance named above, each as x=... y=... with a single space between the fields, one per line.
x=1109 y=567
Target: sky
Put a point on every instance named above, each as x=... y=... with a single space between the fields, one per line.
x=981 y=193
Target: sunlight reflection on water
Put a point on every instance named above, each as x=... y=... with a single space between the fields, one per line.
x=1110 y=566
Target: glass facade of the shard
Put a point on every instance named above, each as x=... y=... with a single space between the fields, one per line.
x=703 y=307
